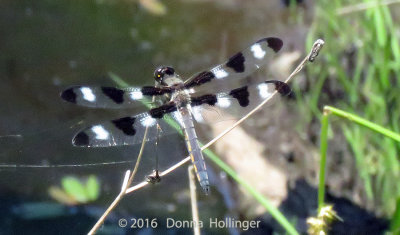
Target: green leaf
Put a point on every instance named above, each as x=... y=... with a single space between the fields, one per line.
x=155 y=7
x=61 y=196
x=395 y=48
x=74 y=188
x=92 y=188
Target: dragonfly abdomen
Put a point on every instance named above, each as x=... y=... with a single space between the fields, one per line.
x=194 y=149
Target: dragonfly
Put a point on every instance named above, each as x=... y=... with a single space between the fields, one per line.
x=178 y=99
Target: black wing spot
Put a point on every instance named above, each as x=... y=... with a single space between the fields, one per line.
x=200 y=79
x=282 y=87
x=125 y=125
x=163 y=109
x=151 y=90
x=274 y=43
x=242 y=95
x=117 y=95
x=236 y=62
x=81 y=139
x=69 y=95
x=204 y=99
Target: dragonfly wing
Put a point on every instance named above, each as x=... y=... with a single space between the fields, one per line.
x=241 y=64
x=124 y=131
x=239 y=101
x=111 y=97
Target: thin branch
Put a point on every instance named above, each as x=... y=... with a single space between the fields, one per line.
x=139 y=157
x=125 y=184
x=113 y=204
x=195 y=211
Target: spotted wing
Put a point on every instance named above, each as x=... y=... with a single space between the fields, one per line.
x=241 y=64
x=110 y=97
x=240 y=100
x=124 y=131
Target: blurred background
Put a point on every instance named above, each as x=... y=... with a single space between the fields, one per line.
x=48 y=186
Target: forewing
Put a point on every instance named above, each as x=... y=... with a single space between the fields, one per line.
x=124 y=131
x=110 y=97
x=241 y=64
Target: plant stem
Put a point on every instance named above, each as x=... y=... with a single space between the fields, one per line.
x=324 y=141
x=322 y=164
x=363 y=122
x=395 y=221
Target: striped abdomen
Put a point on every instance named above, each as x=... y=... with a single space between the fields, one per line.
x=194 y=149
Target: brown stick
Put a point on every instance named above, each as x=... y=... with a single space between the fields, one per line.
x=125 y=184
x=193 y=200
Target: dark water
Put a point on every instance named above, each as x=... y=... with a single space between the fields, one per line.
x=46 y=46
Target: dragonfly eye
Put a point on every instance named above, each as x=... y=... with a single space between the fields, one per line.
x=160 y=73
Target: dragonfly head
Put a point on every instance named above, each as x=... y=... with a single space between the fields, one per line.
x=163 y=74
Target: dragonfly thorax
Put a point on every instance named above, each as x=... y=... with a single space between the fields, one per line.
x=181 y=97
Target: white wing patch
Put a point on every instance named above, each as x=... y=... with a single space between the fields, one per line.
x=258 y=52
x=88 y=94
x=101 y=133
x=136 y=94
x=223 y=102
x=220 y=73
x=196 y=111
x=263 y=90
x=148 y=121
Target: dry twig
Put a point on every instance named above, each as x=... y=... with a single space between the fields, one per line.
x=195 y=211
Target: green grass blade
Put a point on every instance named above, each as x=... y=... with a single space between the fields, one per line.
x=395 y=222
x=363 y=122
x=322 y=165
x=395 y=47
x=357 y=143
x=380 y=27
